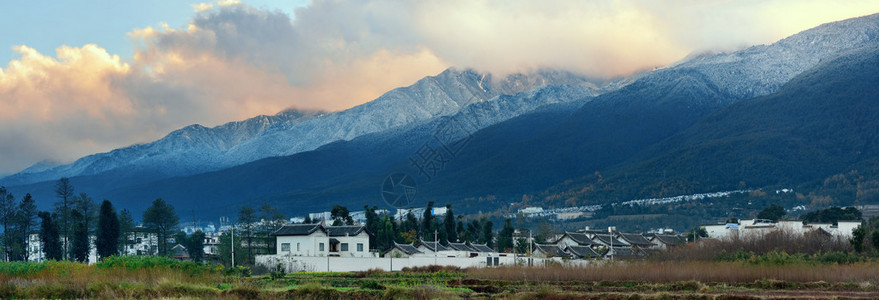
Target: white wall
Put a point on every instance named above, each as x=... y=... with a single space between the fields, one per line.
x=353 y=264
x=310 y=245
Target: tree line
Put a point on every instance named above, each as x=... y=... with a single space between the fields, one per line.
x=385 y=230
x=77 y=225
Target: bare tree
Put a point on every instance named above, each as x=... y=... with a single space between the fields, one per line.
x=64 y=191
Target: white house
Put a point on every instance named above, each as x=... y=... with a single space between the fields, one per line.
x=758 y=227
x=401 y=250
x=574 y=239
x=437 y=249
x=665 y=241
x=321 y=240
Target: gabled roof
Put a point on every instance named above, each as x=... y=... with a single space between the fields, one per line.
x=626 y=252
x=670 y=240
x=297 y=229
x=549 y=249
x=636 y=239
x=459 y=247
x=581 y=252
x=344 y=230
x=433 y=246
x=482 y=248
x=405 y=248
x=607 y=240
x=580 y=238
x=308 y=229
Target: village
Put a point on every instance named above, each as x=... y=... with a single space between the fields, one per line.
x=342 y=241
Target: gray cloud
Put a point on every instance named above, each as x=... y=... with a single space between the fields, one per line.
x=235 y=61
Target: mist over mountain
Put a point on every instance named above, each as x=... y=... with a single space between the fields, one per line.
x=817 y=134
x=197 y=149
x=793 y=113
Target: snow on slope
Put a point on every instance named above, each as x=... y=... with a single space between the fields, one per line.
x=761 y=70
x=196 y=149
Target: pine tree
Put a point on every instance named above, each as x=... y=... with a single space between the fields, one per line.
x=79 y=248
x=161 y=219
x=247 y=219
x=224 y=248
x=26 y=219
x=449 y=224
x=107 y=241
x=385 y=235
x=195 y=247
x=274 y=220
x=488 y=234
x=427 y=222
x=341 y=215
x=372 y=223
x=505 y=236
x=49 y=239
x=126 y=228
x=64 y=191
x=307 y=220
x=7 y=216
x=87 y=207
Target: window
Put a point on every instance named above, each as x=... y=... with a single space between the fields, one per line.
x=285 y=247
x=320 y=247
x=359 y=247
x=297 y=247
x=344 y=247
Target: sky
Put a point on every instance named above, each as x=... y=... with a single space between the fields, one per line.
x=82 y=77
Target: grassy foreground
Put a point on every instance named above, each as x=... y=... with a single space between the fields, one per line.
x=152 y=277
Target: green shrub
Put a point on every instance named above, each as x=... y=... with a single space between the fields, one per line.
x=371 y=285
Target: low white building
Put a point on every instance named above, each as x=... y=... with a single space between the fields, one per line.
x=758 y=227
x=321 y=240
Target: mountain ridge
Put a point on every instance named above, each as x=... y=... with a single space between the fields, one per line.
x=195 y=148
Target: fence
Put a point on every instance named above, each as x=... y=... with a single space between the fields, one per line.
x=352 y=264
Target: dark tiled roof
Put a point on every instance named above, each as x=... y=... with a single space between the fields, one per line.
x=460 y=247
x=549 y=249
x=607 y=240
x=581 y=252
x=671 y=240
x=580 y=238
x=405 y=248
x=344 y=230
x=297 y=229
x=432 y=247
x=635 y=239
x=626 y=252
x=482 y=248
x=308 y=229
x=594 y=232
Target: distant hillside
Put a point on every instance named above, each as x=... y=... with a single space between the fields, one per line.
x=818 y=134
x=197 y=149
x=797 y=112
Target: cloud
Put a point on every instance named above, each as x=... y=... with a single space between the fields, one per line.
x=233 y=61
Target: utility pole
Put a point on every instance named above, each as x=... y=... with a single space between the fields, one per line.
x=530 y=250
x=435 y=246
x=610 y=232
x=233 y=246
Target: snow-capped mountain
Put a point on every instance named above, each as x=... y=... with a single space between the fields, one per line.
x=195 y=149
x=763 y=69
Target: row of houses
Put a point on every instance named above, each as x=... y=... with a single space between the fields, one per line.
x=592 y=244
x=138 y=242
x=759 y=227
x=308 y=240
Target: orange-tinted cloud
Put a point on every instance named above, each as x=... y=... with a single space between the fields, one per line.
x=234 y=61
